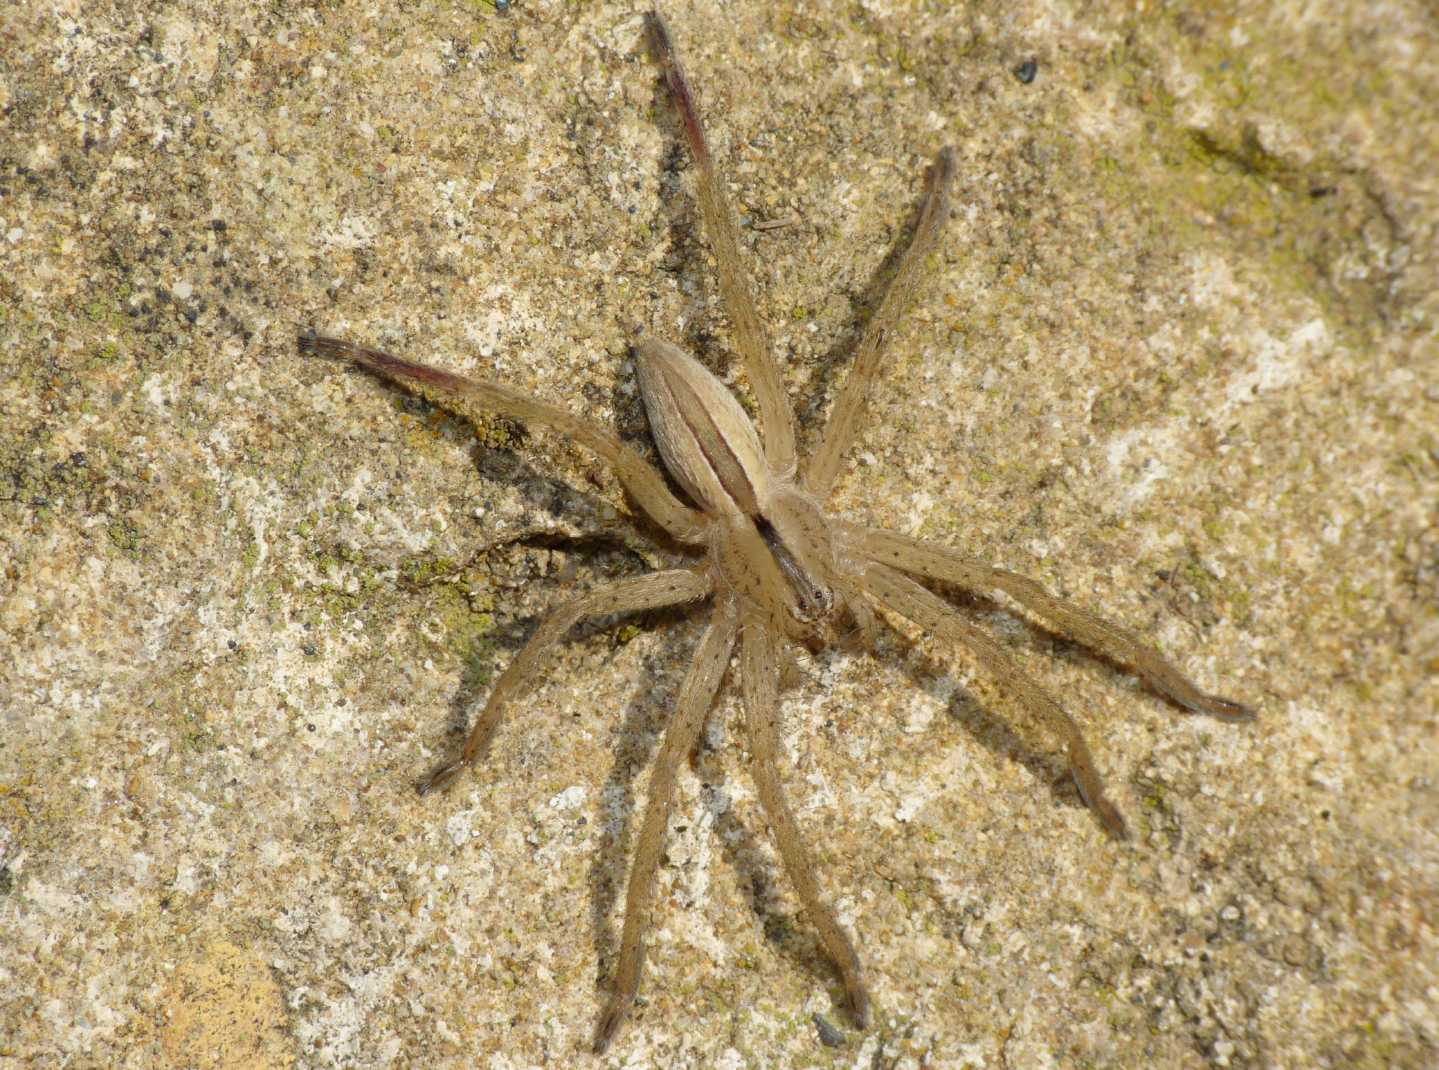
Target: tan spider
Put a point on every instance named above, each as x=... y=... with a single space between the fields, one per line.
x=775 y=568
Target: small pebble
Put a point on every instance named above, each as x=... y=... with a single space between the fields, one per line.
x=829 y=1036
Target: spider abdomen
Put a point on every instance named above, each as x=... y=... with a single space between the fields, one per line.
x=707 y=441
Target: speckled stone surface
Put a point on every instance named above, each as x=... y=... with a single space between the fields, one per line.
x=1178 y=361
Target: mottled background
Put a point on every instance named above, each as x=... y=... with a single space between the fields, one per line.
x=1178 y=360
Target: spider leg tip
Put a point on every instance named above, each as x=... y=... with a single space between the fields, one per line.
x=311 y=343
x=439 y=778
x=659 y=33
x=608 y=1025
x=1112 y=820
x=1237 y=711
x=860 y=1008
x=1224 y=708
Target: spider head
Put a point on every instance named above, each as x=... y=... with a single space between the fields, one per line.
x=813 y=600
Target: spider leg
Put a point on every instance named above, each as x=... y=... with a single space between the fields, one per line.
x=472 y=397
x=650 y=591
x=695 y=698
x=942 y=563
x=848 y=412
x=904 y=596
x=759 y=673
x=776 y=418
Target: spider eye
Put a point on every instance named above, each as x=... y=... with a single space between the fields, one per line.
x=813 y=605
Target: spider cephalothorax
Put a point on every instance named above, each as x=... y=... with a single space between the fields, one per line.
x=775 y=567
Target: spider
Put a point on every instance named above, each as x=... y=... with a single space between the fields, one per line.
x=775 y=568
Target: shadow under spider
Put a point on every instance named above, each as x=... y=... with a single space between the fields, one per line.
x=1002 y=733
x=554 y=496
x=682 y=218
x=840 y=356
x=692 y=276
x=739 y=846
x=642 y=720
x=784 y=930
x=742 y=848
x=633 y=743
x=682 y=224
x=995 y=732
x=498 y=646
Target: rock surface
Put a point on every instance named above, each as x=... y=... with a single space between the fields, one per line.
x=1177 y=360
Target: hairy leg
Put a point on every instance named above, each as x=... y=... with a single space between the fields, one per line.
x=902 y=595
x=942 y=563
x=759 y=673
x=848 y=412
x=776 y=419
x=696 y=696
x=471 y=397
x=650 y=591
